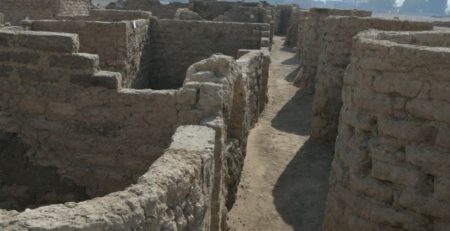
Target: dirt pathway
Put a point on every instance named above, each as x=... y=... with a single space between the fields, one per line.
x=284 y=182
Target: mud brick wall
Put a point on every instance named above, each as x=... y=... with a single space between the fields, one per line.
x=243 y=14
x=212 y=9
x=441 y=23
x=174 y=193
x=74 y=7
x=50 y=100
x=176 y=44
x=82 y=124
x=17 y=10
x=391 y=169
x=335 y=55
x=284 y=16
x=298 y=18
x=108 y=15
x=310 y=50
x=162 y=11
x=119 y=44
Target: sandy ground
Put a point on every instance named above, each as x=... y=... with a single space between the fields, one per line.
x=284 y=182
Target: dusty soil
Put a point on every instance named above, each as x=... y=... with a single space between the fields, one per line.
x=285 y=177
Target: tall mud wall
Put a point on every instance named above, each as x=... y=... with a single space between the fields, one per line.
x=298 y=19
x=391 y=169
x=335 y=55
x=310 y=50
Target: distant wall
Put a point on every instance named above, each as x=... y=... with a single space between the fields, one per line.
x=162 y=11
x=233 y=11
x=17 y=10
x=310 y=51
x=441 y=23
x=392 y=162
x=297 y=19
x=283 y=18
x=335 y=55
x=175 y=45
x=110 y=15
x=118 y=43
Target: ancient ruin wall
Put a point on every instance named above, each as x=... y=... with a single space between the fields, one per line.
x=391 y=169
x=74 y=7
x=174 y=193
x=335 y=55
x=17 y=10
x=310 y=50
x=176 y=44
x=298 y=18
x=162 y=11
x=231 y=11
x=284 y=17
x=109 y=15
x=118 y=43
x=81 y=122
x=187 y=14
x=50 y=101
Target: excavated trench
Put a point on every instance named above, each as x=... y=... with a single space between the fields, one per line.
x=285 y=178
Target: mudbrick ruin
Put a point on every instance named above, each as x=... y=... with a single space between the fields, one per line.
x=148 y=116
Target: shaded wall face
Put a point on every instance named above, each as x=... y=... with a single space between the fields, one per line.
x=335 y=55
x=26 y=185
x=175 y=45
x=297 y=21
x=390 y=171
x=180 y=180
x=283 y=17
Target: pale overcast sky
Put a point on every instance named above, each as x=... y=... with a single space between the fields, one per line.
x=399 y=2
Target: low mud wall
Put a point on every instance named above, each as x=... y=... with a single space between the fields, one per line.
x=391 y=168
x=174 y=193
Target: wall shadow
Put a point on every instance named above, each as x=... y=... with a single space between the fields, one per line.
x=301 y=191
x=294 y=60
x=295 y=116
x=291 y=76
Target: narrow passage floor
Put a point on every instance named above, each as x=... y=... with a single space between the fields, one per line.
x=285 y=178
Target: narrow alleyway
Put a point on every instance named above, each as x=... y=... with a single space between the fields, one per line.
x=285 y=177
